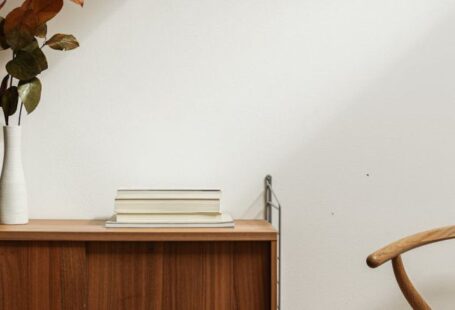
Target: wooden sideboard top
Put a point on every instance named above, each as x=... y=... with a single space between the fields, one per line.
x=94 y=230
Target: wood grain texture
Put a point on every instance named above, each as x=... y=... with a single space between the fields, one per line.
x=410 y=293
x=393 y=252
x=179 y=275
x=41 y=275
x=235 y=274
x=408 y=243
x=252 y=275
x=274 y=274
x=124 y=275
x=94 y=230
x=68 y=276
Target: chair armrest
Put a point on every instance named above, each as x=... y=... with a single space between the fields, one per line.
x=408 y=243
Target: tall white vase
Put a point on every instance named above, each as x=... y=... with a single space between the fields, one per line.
x=13 y=192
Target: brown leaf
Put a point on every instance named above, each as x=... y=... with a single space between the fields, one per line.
x=45 y=10
x=62 y=42
x=19 y=28
x=41 y=31
x=21 y=18
x=80 y=2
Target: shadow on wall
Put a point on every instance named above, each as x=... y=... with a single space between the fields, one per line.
x=383 y=168
x=83 y=22
x=256 y=209
x=87 y=19
x=72 y=19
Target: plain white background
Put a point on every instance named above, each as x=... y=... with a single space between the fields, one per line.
x=350 y=105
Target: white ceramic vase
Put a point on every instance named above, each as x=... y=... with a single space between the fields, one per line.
x=13 y=192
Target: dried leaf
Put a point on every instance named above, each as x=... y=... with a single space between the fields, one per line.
x=80 y=2
x=21 y=18
x=2 y=4
x=44 y=10
x=26 y=21
x=30 y=93
x=9 y=101
x=62 y=42
x=26 y=65
x=20 y=25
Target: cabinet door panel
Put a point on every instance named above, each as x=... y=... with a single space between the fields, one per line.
x=135 y=275
x=179 y=275
x=124 y=275
x=42 y=275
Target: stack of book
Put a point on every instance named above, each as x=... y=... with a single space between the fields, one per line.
x=168 y=208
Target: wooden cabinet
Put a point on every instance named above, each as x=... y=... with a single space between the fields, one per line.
x=73 y=264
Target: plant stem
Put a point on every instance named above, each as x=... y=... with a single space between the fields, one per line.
x=20 y=114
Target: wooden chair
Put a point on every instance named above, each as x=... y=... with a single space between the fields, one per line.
x=393 y=252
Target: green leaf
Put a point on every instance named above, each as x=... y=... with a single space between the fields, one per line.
x=26 y=65
x=41 y=31
x=18 y=38
x=30 y=47
x=9 y=101
x=40 y=58
x=23 y=66
x=30 y=93
x=62 y=42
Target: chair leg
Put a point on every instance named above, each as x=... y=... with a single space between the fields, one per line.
x=412 y=296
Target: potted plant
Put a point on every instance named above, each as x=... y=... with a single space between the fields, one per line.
x=23 y=32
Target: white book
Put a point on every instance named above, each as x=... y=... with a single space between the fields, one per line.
x=168 y=194
x=224 y=220
x=110 y=224
x=166 y=206
x=174 y=218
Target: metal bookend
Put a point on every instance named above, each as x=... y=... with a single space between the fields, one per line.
x=269 y=198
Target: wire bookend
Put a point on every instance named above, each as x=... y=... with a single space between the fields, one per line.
x=272 y=203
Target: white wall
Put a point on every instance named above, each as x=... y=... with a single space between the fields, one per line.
x=173 y=93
